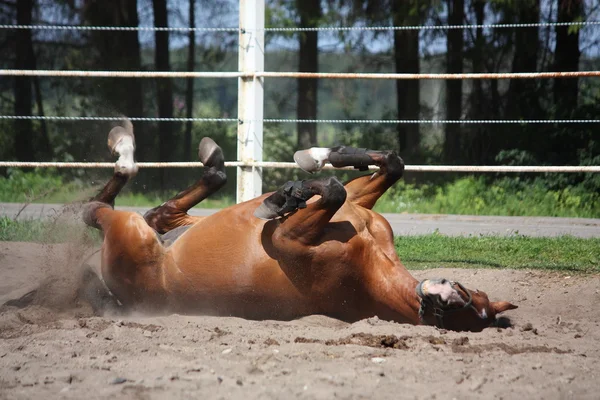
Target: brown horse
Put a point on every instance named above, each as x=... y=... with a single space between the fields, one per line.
x=312 y=247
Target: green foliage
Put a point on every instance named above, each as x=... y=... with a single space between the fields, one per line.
x=46 y=186
x=21 y=186
x=561 y=253
x=507 y=196
x=469 y=195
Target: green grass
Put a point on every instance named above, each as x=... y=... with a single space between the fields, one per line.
x=47 y=187
x=468 y=195
x=564 y=253
x=508 y=197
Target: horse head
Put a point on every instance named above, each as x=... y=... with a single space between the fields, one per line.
x=449 y=305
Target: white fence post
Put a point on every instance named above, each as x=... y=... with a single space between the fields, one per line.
x=250 y=97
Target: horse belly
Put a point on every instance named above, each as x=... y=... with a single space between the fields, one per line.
x=230 y=275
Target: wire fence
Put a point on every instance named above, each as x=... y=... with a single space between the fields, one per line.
x=291 y=165
x=299 y=75
x=308 y=121
x=296 y=75
x=297 y=29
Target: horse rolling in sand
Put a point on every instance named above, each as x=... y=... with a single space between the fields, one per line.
x=312 y=247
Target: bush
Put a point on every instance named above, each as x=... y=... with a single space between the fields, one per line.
x=507 y=196
x=22 y=186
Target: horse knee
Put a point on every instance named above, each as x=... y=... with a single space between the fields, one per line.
x=88 y=213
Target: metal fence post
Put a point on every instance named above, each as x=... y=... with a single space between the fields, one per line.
x=250 y=97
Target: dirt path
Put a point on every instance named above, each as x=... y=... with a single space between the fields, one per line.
x=57 y=350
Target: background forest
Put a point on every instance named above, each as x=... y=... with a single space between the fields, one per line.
x=564 y=48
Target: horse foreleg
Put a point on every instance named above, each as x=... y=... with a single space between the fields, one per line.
x=173 y=213
x=301 y=223
x=364 y=190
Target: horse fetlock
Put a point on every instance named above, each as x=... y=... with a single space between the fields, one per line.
x=125 y=148
x=214 y=177
x=334 y=191
x=394 y=165
x=289 y=198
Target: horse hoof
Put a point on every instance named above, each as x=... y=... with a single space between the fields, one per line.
x=210 y=154
x=122 y=142
x=313 y=159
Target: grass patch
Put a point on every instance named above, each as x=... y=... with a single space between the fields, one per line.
x=48 y=187
x=507 y=197
x=564 y=253
x=47 y=231
x=468 y=195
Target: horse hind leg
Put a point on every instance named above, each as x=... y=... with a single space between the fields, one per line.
x=132 y=253
x=364 y=190
x=173 y=213
x=121 y=142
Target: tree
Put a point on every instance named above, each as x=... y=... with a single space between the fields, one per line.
x=454 y=92
x=164 y=86
x=24 y=150
x=118 y=50
x=189 y=92
x=477 y=144
x=308 y=61
x=566 y=56
x=406 y=60
x=523 y=99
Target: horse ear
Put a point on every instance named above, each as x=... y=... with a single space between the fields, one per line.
x=501 y=306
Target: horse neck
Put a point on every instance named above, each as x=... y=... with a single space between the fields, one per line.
x=393 y=289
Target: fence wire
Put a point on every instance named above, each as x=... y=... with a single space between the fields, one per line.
x=290 y=165
x=308 y=121
x=199 y=74
x=300 y=75
x=297 y=29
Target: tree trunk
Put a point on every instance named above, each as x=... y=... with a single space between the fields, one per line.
x=566 y=56
x=454 y=64
x=45 y=147
x=523 y=100
x=478 y=143
x=119 y=50
x=308 y=61
x=406 y=57
x=166 y=141
x=189 y=93
x=24 y=150
x=523 y=97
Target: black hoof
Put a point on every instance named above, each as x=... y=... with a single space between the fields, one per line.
x=210 y=154
x=23 y=301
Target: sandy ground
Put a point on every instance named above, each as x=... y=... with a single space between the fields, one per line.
x=58 y=349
